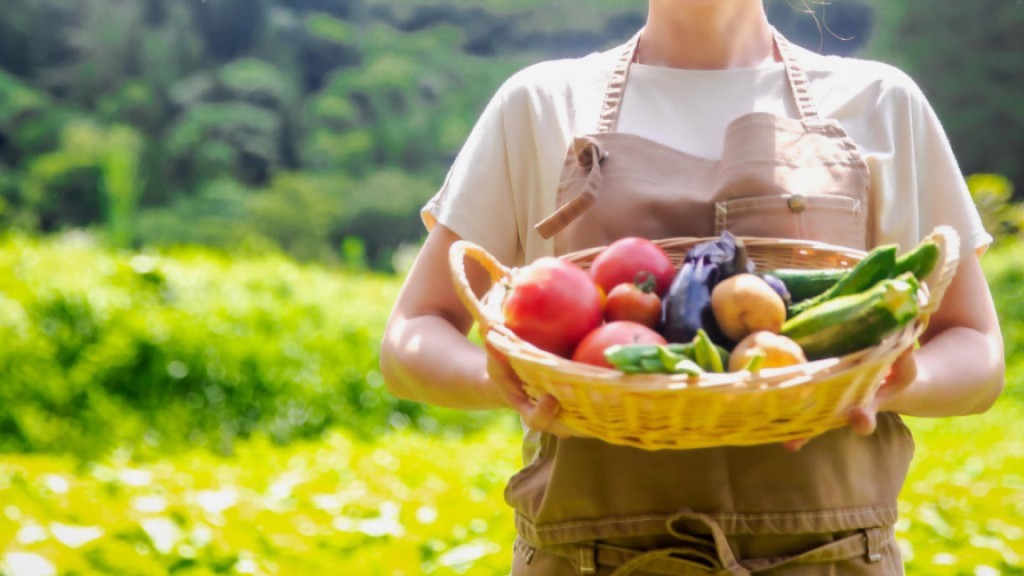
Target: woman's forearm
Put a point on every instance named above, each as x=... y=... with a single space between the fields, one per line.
x=427 y=360
x=960 y=372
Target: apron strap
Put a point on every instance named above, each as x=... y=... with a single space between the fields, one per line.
x=727 y=563
x=867 y=544
x=699 y=555
x=798 y=82
x=609 y=118
x=589 y=156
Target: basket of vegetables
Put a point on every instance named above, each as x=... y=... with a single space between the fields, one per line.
x=696 y=342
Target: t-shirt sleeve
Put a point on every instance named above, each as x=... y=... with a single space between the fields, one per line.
x=925 y=187
x=476 y=200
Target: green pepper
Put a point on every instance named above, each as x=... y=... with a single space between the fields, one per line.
x=707 y=355
x=651 y=365
x=627 y=357
x=671 y=358
x=687 y=366
x=755 y=362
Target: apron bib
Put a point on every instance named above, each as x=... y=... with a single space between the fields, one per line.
x=587 y=507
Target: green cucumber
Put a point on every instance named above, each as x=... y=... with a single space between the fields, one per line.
x=876 y=266
x=849 y=323
x=804 y=284
x=920 y=261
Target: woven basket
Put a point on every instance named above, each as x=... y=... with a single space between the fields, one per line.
x=659 y=411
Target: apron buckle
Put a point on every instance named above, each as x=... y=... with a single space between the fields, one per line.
x=875 y=540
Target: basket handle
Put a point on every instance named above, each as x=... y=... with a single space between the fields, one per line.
x=457 y=255
x=942 y=276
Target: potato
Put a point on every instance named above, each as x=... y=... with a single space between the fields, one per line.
x=778 y=351
x=745 y=303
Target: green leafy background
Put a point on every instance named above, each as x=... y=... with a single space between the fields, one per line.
x=206 y=211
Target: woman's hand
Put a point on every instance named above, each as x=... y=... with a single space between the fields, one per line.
x=901 y=375
x=864 y=420
x=543 y=415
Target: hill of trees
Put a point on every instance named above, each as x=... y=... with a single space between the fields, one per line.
x=320 y=126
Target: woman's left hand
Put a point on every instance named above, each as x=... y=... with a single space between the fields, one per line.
x=901 y=375
x=863 y=420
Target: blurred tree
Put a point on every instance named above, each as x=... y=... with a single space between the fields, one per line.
x=32 y=35
x=992 y=194
x=301 y=213
x=93 y=176
x=383 y=210
x=230 y=28
x=18 y=103
x=106 y=42
x=262 y=84
x=213 y=215
x=222 y=139
x=967 y=58
x=325 y=44
x=62 y=187
x=241 y=102
x=120 y=179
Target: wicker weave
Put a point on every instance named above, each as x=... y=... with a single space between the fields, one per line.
x=659 y=411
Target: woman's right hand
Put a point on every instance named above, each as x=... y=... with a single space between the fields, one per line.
x=542 y=415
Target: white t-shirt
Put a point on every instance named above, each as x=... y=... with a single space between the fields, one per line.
x=505 y=178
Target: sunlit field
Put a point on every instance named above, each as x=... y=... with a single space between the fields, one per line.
x=382 y=489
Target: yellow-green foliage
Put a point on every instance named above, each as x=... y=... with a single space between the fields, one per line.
x=103 y=348
x=993 y=195
x=961 y=510
x=1004 y=267
x=408 y=504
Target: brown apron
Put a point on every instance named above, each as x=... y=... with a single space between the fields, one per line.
x=587 y=507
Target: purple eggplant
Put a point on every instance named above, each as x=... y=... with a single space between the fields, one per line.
x=779 y=286
x=686 y=307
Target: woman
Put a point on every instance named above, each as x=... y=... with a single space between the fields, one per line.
x=707 y=120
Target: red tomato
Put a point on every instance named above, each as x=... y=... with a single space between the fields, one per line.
x=624 y=259
x=591 y=349
x=634 y=303
x=553 y=304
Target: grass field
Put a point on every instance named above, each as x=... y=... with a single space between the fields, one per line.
x=409 y=503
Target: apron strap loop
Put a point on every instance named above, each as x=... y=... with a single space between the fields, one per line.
x=586 y=559
x=589 y=157
x=877 y=538
x=720 y=545
x=588 y=152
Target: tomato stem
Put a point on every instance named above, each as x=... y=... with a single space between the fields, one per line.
x=645 y=281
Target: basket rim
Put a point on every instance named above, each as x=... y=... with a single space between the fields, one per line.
x=755 y=241
x=602 y=379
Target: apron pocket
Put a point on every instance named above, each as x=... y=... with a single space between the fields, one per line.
x=829 y=218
